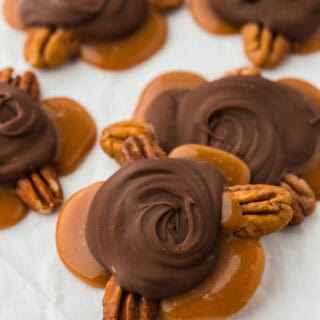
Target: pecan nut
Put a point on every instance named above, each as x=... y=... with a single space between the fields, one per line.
x=121 y=305
x=303 y=197
x=244 y=71
x=263 y=47
x=166 y=5
x=140 y=147
x=47 y=48
x=28 y=82
x=114 y=135
x=257 y=210
x=41 y=191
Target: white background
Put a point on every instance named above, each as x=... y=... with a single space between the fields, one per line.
x=34 y=285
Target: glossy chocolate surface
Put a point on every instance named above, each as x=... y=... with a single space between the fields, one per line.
x=27 y=137
x=91 y=20
x=272 y=127
x=155 y=225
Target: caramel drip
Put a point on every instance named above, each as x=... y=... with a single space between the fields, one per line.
x=12 y=209
x=76 y=131
x=228 y=289
x=11 y=13
x=234 y=170
x=310 y=46
x=208 y=20
x=165 y=82
x=129 y=51
x=310 y=172
x=71 y=239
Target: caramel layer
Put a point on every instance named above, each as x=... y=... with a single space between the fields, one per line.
x=129 y=51
x=76 y=131
x=11 y=13
x=205 y=17
x=234 y=170
x=310 y=172
x=71 y=241
x=167 y=81
x=229 y=288
x=12 y=210
x=310 y=46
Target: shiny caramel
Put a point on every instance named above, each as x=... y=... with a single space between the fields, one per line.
x=234 y=170
x=231 y=214
x=312 y=45
x=311 y=171
x=11 y=13
x=126 y=52
x=165 y=82
x=71 y=241
x=76 y=132
x=205 y=17
x=12 y=210
x=228 y=289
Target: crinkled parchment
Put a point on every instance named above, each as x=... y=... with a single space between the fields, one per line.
x=35 y=285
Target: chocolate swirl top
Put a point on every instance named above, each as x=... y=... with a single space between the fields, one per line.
x=91 y=20
x=271 y=126
x=155 y=225
x=295 y=19
x=27 y=138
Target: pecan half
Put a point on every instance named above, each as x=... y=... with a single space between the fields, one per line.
x=47 y=48
x=303 y=197
x=258 y=210
x=166 y=5
x=121 y=305
x=140 y=147
x=28 y=82
x=263 y=47
x=114 y=135
x=244 y=71
x=41 y=191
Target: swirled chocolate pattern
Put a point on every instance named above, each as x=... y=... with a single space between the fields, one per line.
x=27 y=138
x=270 y=126
x=89 y=19
x=295 y=19
x=155 y=225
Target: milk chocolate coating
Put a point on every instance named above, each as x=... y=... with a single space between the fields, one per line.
x=91 y=20
x=27 y=138
x=271 y=126
x=295 y=19
x=155 y=225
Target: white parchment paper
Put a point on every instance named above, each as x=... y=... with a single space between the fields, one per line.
x=34 y=285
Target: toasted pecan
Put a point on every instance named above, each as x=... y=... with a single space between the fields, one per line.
x=40 y=190
x=260 y=209
x=27 y=82
x=114 y=135
x=140 y=147
x=264 y=47
x=49 y=48
x=121 y=305
x=304 y=199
